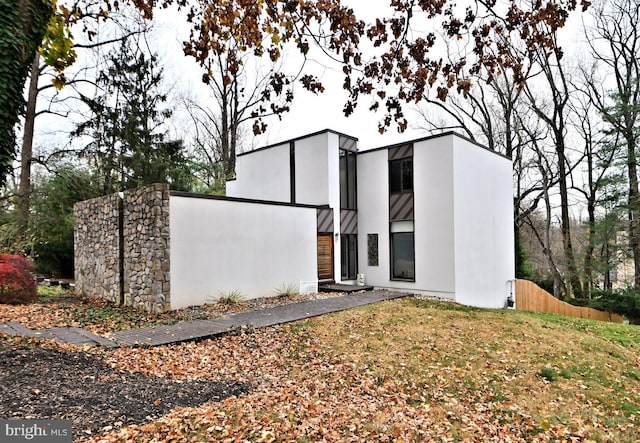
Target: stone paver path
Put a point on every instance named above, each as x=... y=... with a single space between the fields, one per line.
x=75 y=336
x=199 y=329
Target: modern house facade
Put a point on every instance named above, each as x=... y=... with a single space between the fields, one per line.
x=433 y=216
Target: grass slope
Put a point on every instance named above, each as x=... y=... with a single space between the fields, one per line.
x=404 y=371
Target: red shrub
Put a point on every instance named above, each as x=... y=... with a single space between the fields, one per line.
x=17 y=284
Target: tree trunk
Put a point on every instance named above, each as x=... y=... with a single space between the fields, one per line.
x=608 y=284
x=24 y=188
x=588 y=255
x=23 y=25
x=231 y=173
x=573 y=284
x=559 y=285
x=225 y=137
x=634 y=210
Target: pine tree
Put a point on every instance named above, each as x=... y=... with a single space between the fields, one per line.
x=129 y=144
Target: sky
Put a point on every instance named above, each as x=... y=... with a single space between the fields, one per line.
x=309 y=113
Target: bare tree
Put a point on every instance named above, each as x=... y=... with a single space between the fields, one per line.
x=553 y=109
x=239 y=98
x=615 y=44
x=497 y=114
x=40 y=72
x=542 y=226
x=600 y=182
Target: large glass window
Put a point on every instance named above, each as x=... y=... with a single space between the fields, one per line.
x=401 y=175
x=402 y=251
x=349 y=254
x=347 y=179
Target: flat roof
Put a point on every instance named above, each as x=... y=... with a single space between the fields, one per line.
x=434 y=136
x=365 y=151
x=302 y=137
x=243 y=200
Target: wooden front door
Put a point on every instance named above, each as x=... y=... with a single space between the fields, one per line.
x=325 y=256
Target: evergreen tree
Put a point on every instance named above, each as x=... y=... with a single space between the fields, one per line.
x=128 y=138
x=51 y=222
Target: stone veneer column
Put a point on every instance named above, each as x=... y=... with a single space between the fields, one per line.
x=96 y=238
x=146 y=248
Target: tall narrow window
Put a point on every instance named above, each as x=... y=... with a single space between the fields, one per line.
x=292 y=170
x=401 y=175
x=372 y=249
x=347 y=179
x=349 y=255
x=402 y=251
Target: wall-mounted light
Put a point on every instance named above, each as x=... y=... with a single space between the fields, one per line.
x=337 y=235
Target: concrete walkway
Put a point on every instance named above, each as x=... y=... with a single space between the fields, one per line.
x=199 y=329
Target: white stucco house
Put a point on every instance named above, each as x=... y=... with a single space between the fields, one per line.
x=431 y=216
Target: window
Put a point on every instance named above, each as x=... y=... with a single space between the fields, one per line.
x=347 y=179
x=401 y=175
x=349 y=255
x=372 y=249
x=402 y=251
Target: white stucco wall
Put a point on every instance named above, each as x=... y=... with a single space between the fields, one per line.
x=373 y=215
x=333 y=169
x=262 y=175
x=463 y=221
x=484 y=247
x=433 y=228
x=312 y=170
x=265 y=175
x=434 y=234
x=463 y=212
x=318 y=179
x=220 y=246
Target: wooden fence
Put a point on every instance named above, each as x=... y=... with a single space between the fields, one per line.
x=531 y=297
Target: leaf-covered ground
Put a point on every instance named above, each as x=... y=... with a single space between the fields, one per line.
x=403 y=371
x=59 y=308
x=407 y=371
x=41 y=382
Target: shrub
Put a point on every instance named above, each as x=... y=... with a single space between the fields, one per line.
x=52 y=292
x=17 y=284
x=234 y=297
x=286 y=290
x=620 y=301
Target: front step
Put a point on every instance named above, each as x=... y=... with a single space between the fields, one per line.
x=341 y=287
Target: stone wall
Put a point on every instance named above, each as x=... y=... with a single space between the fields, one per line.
x=97 y=247
x=146 y=248
x=122 y=248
